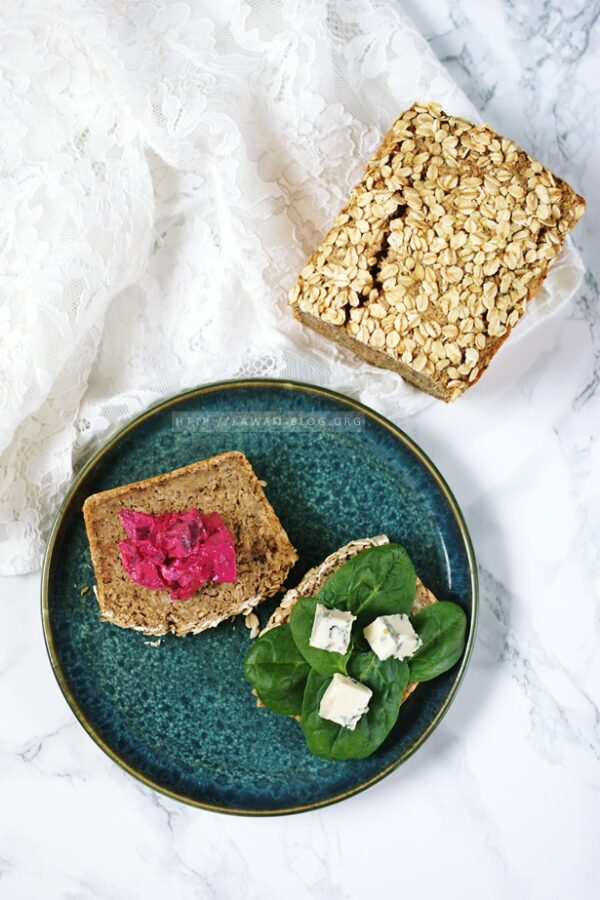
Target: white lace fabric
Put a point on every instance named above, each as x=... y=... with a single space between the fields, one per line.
x=165 y=170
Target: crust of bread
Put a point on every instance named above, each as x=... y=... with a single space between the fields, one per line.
x=315 y=577
x=225 y=483
x=371 y=355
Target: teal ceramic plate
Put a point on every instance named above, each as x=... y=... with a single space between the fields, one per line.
x=180 y=716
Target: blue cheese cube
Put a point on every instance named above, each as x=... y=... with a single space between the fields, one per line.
x=392 y=636
x=345 y=701
x=331 y=629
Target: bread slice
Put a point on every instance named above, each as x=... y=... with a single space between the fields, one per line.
x=438 y=251
x=314 y=579
x=225 y=484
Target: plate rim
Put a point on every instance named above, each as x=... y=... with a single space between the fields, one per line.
x=165 y=403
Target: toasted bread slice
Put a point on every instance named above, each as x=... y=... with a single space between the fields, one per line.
x=225 y=484
x=315 y=578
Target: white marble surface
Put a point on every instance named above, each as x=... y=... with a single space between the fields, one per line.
x=503 y=801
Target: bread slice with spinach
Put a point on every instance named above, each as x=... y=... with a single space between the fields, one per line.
x=349 y=644
x=316 y=577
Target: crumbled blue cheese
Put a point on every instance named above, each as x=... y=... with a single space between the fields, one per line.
x=392 y=636
x=331 y=629
x=345 y=701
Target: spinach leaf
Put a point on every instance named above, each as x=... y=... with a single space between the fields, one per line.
x=379 y=581
x=277 y=671
x=325 y=662
x=442 y=627
x=386 y=678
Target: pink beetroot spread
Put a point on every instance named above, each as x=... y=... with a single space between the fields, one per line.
x=178 y=552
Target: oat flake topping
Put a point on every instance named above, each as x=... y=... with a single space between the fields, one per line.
x=433 y=259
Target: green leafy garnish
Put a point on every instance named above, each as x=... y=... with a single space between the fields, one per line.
x=387 y=679
x=442 y=627
x=277 y=671
x=379 y=581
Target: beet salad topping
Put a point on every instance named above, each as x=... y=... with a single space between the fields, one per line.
x=178 y=552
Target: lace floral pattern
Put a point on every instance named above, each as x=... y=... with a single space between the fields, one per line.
x=165 y=169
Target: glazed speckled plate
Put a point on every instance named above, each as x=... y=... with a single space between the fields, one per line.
x=177 y=713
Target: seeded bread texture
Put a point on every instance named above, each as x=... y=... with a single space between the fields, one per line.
x=438 y=251
x=225 y=484
x=314 y=579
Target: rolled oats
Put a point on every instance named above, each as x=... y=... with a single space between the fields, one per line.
x=438 y=249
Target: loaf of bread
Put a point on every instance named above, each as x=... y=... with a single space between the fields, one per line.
x=438 y=251
x=225 y=484
x=314 y=579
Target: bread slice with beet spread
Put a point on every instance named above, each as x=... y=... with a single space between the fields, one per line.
x=314 y=579
x=225 y=484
